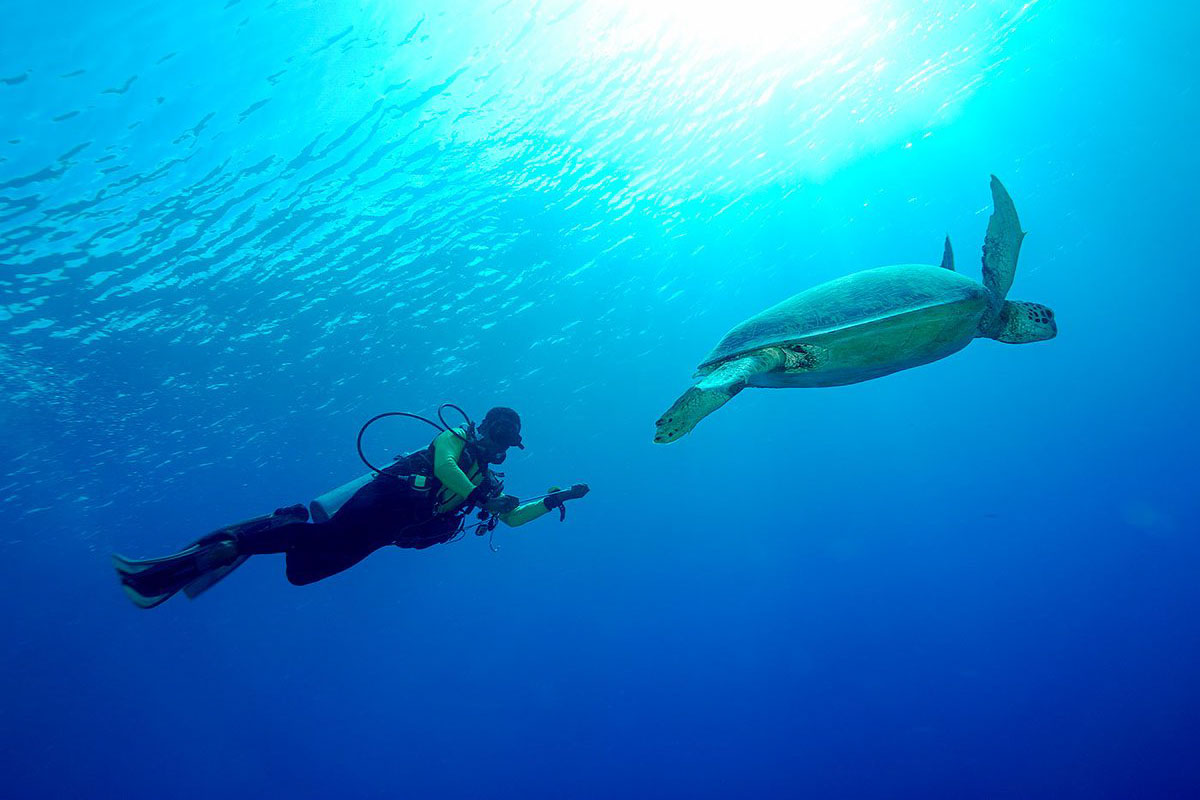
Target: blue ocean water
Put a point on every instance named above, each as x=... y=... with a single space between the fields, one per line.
x=230 y=232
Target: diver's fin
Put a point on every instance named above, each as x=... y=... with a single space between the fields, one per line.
x=142 y=597
x=130 y=566
x=948 y=256
x=151 y=581
x=145 y=601
x=199 y=566
x=281 y=516
x=211 y=578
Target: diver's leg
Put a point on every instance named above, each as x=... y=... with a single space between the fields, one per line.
x=307 y=565
x=364 y=524
x=345 y=539
x=201 y=564
x=279 y=539
x=361 y=510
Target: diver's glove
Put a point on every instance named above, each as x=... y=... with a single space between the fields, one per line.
x=556 y=498
x=502 y=504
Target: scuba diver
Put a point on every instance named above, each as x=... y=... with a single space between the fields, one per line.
x=422 y=499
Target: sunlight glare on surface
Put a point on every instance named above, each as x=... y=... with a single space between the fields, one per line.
x=748 y=28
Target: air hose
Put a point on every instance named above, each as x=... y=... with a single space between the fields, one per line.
x=443 y=427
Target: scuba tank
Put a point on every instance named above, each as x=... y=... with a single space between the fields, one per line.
x=327 y=504
x=415 y=468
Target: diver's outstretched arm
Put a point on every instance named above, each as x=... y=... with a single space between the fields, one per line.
x=529 y=511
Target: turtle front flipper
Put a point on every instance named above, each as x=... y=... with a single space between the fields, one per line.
x=713 y=391
x=692 y=406
x=1001 y=245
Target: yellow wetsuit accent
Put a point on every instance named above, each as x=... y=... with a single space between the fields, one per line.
x=526 y=512
x=459 y=474
x=449 y=461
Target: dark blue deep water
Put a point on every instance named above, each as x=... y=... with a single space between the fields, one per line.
x=230 y=232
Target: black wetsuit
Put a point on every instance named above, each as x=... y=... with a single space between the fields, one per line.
x=388 y=510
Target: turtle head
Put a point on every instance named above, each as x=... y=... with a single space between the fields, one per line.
x=1022 y=322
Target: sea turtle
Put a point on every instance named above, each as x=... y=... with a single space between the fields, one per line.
x=869 y=324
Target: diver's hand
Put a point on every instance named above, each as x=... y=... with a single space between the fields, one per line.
x=501 y=505
x=488 y=488
x=556 y=499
